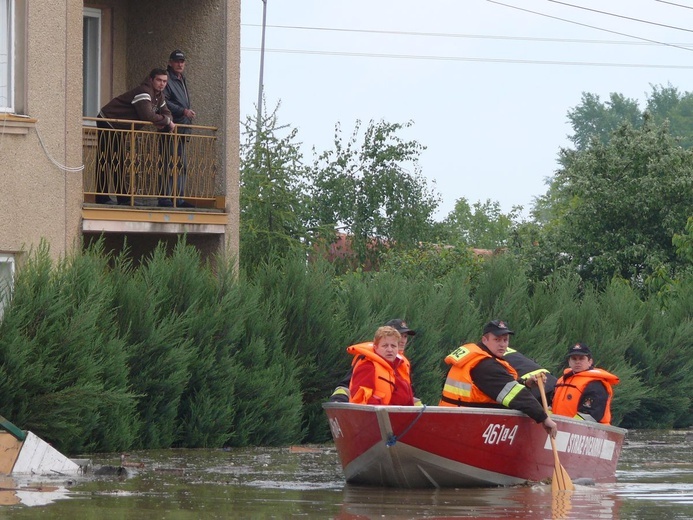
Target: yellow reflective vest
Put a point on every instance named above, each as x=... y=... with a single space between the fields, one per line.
x=459 y=388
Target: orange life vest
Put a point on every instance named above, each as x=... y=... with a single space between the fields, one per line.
x=403 y=368
x=459 y=388
x=569 y=389
x=384 y=375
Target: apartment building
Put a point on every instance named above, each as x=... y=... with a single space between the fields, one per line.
x=60 y=61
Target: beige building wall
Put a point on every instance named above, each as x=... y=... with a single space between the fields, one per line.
x=39 y=199
x=42 y=199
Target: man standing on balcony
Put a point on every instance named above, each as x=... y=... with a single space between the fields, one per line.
x=178 y=101
x=143 y=103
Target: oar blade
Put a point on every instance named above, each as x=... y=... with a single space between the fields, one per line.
x=560 y=506
x=561 y=480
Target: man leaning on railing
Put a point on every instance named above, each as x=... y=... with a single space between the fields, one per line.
x=144 y=103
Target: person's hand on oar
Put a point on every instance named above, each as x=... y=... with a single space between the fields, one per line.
x=561 y=480
x=550 y=427
x=548 y=424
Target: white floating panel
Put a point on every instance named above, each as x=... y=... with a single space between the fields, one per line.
x=39 y=457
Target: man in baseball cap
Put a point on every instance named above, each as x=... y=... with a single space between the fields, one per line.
x=401 y=327
x=480 y=375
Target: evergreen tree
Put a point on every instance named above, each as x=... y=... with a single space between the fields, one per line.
x=273 y=196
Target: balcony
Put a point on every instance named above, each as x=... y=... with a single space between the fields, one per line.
x=130 y=173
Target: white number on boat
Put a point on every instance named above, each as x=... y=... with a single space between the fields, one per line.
x=336 y=430
x=497 y=433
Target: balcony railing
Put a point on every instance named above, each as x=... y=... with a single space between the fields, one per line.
x=140 y=166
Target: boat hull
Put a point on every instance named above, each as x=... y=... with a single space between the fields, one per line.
x=415 y=447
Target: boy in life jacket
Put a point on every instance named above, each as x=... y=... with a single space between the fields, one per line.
x=584 y=392
x=379 y=376
x=341 y=393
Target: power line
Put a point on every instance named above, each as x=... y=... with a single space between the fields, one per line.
x=468 y=59
x=672 y=3
x=620 y=16
x=587 y=25
x=460 y=35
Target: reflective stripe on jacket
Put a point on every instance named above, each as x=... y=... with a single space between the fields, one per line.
x=459 y=388
x=570 y=387
x=524 y=366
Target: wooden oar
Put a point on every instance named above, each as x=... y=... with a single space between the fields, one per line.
x=561 y=480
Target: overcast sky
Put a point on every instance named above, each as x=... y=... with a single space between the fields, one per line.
x=487 y=86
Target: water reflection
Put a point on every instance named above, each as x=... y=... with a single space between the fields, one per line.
x=29 y=492
x=524 y=503
x=654 y=481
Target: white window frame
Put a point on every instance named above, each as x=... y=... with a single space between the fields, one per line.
x=91 y=97
x=7 y=36
x=6 y=280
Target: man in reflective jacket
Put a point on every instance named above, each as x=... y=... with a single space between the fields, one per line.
x=480 y=376
x=584 y=392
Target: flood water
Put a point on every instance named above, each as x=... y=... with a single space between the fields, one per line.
x=654 y=481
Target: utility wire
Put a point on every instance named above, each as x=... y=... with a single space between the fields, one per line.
x=672 y=3
x=587 y=25
x=620 y=16
x=479 y=60
x=459 y=35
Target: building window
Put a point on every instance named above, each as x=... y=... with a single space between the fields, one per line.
x=6 y=281
x=6 y=55
x=91 y=64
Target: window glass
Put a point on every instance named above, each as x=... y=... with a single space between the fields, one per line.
x=6 y=280
x=91 y=65
x=6 y=55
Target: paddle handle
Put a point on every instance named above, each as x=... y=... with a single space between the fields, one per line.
x=542 y=391
x=561 y=480
x=544 y=402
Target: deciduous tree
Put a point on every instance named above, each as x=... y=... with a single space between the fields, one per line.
x=481 y=225
x=615 y=206
x=373 y=190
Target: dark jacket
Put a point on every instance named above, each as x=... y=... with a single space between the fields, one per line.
x=526 y=367
x=141 y=103
x=178 y=99
x=491 y=378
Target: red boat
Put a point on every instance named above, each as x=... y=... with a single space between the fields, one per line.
x=432 y=446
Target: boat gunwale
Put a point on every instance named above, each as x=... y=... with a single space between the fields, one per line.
x=469 y=411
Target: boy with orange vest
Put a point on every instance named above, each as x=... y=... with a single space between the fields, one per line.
x=584 y=392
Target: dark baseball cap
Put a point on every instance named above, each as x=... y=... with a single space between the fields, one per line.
x=579 y=349
x=177 y=55
x=497 y=328
x=401 y=327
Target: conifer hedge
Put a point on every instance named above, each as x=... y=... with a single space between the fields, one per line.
x=97 y=354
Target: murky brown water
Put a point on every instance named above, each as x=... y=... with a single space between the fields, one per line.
x=654 y=481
